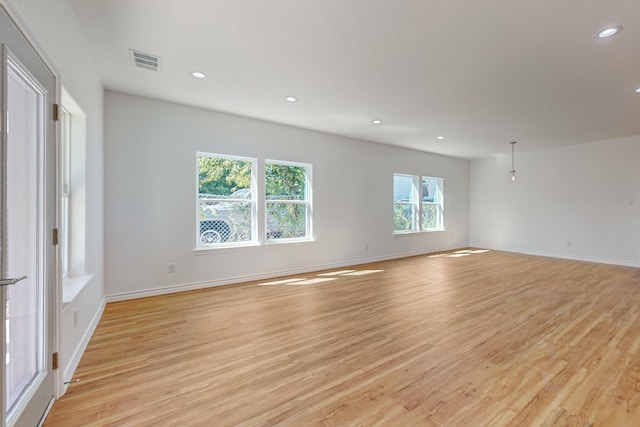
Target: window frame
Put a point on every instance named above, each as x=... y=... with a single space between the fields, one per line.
x=418 y=204
x=65 y=191
x=438 y=202
x=413 y=203
x=253 y=215
x=73 y=229
x=307 y=203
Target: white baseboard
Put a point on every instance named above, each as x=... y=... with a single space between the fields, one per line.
x=70 y=369
x=561 y=255
x=46 y=412
x=122 y=296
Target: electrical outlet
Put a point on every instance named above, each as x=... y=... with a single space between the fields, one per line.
x=171 y=268
x=569 y=244
x=75 y=318
x=366 y=247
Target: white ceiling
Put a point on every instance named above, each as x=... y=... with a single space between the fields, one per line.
x=481 y=73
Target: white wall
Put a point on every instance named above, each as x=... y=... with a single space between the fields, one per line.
x=53 y=26
x=150 y=155
x=579 y=194
x=588 y=195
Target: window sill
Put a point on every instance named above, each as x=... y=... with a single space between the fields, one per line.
x=411 y=233
x=72 y=286
x=287 y=241
x=248 y=246
x=224 y=248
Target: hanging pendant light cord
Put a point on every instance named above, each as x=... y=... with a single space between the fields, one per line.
x=513 y=167
x=513 y=162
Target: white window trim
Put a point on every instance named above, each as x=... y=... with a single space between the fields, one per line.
x=253 y=200
x=307 y=203
x=65 y=192
x=439 y=203
x=77 y=276
x=72 y=287
x=258 y=206
x=417 y=226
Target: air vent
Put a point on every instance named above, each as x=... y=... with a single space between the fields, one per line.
x=145 y=60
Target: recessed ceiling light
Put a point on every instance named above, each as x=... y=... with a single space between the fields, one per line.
x=377 y=122
x=638 y=90
x=198 y=75
x=609 y=32
x=291 y=98
x=440 y=137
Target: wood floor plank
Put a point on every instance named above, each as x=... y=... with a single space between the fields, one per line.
x=481 y=338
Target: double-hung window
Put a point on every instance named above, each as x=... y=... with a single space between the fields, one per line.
x=418 y=203
x=227 y=201
x=405 y=203
x=73 y=198
x=226 y=206
x=432 y=209
x=287 y=199
x=65 y=192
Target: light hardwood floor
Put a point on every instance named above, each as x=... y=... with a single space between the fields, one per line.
x=473 y=339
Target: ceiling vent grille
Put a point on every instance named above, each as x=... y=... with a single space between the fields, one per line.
x=145 y=60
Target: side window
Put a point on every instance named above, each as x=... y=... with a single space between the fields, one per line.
x=226 y=200
x=418 y=203
x=432 y=204
x=405 y=203
x=73 y=198
x=287 y=200
x=65 y=191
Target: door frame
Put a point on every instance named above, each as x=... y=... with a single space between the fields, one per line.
x=50 y=188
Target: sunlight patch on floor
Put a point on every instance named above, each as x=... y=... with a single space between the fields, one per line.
x=336 y=273
x=458 y=254
x=311 y=281
x=321 y=278
x=282 y=282
x=362 y=272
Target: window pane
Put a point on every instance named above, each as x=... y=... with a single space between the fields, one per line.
x=24 y=227
x=224 y=222
x=65 y=224
x=285 y=182
x=66 y=151
x=403 y=188
x=403 y=217
x=432 y=204
x=429 y=189
x=287 y=196
x=219 y=176
x=64 y=244
x=225 y=202
x=286 y=220
x=405 y=207
x=430 y=216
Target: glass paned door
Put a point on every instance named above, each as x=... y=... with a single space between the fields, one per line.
x=24 y=234
x=27 y=217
